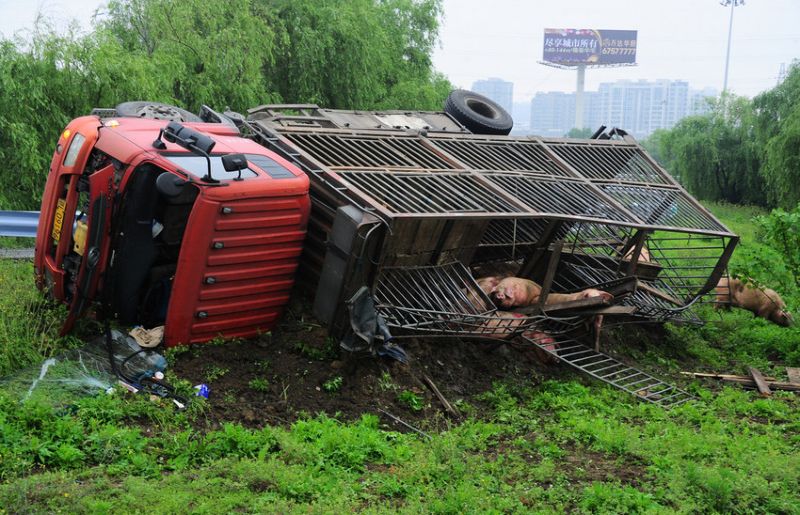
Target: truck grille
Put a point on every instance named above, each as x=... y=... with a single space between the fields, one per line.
x=249 y=273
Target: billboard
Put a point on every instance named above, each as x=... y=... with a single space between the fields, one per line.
x=572 y=47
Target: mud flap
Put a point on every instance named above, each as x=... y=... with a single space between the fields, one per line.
x=368 y=329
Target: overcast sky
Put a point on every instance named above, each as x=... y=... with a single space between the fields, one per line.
x=678 y=39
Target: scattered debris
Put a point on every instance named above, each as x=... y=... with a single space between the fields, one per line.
x=761 y=384
x=447 y=406
x=202 y=390
x=770 y=382
x=405 y=424
x=148 y=338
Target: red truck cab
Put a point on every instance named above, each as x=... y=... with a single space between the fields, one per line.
x=137 y=219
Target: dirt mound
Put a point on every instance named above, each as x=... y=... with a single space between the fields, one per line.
x=298 y=370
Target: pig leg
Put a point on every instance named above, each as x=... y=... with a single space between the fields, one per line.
x=597 y=324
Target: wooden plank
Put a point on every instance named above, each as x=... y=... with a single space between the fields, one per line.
x=639 y=240
x=761 y=384
x=610 y=310
x=447 y=406
x=549 y=234
x=748 y=381
x=793 y=374
x=723 y=376
x=773 y=385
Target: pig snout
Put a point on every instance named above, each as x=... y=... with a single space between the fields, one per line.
x=502 y=298
x=784 y=318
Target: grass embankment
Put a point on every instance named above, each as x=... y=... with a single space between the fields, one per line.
x=555 y=446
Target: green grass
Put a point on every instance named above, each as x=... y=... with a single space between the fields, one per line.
x=559 y=446
x=29 y=325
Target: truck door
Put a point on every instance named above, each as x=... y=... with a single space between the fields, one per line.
x=91 y=242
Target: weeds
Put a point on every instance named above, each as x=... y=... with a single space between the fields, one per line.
x=411 y=400
x=327 y=352
x=333 y=384
x=385 y=382
x=259 y=384
x=214 y=372
x=29 y=326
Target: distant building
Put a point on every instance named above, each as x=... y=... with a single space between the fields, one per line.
x=551 y=113
x=499 y=90
x=522 y=117
x=639 y=107
x=699 y=100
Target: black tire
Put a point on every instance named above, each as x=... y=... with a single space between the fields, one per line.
x=477 y=113
x=156 y=110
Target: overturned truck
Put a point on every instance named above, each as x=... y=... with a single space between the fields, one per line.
x=413 y=208
x=167 y=218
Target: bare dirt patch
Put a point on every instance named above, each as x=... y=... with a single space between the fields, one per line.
x=297 y=370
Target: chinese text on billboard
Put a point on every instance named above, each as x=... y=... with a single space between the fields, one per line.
x=589 y=46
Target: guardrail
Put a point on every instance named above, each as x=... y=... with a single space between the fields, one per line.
x=22 y=224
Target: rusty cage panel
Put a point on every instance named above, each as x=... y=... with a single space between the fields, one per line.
x=443 y=203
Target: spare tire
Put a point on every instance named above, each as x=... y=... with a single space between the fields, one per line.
x=156 y=111
x=477 y=113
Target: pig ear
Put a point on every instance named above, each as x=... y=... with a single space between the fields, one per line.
x=606 y=295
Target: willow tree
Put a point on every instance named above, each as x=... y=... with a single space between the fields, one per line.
x=358 y=54
x=238 y=53
x=716 y=156
x=778 y=130
x=195 y=52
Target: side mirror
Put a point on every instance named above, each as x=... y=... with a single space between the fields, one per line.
x=234 y=163
x=188 y=138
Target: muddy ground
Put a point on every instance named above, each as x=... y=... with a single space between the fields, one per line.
x=298 y=370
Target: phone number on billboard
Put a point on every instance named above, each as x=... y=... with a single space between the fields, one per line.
x=619 y=51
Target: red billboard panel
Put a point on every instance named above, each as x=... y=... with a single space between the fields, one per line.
x=572 y=47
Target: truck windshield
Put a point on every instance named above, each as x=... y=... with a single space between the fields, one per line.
x=197 y=166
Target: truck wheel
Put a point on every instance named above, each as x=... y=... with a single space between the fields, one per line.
x=477 y=113
x=155 y=110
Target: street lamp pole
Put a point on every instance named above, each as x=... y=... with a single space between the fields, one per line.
x=732 y=3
